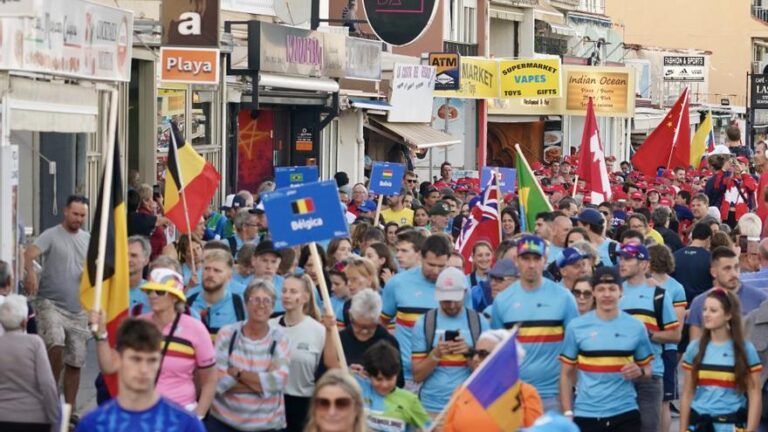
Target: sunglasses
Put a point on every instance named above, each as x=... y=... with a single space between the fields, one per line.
x=413 y=181
x=582 y=294
x=158 y=293
x=483 y=354
x=340 y=404
x=256 y=301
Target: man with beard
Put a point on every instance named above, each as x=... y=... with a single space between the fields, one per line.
x=216 y=304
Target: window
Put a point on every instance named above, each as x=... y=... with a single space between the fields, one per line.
x=463 y=21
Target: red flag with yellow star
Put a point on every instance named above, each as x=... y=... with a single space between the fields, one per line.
x=669 y=145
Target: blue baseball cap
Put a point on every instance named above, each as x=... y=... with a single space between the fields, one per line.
x=570 y=256
x=531 y=244
x=504 y=268
x=552 y=422
x=590 y=216
x=634 y=251
x=367 y=206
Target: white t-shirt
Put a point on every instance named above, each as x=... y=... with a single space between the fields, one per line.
x=306 y=340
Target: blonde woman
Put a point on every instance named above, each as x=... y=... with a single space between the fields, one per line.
x=307 y=338
x=337 y=404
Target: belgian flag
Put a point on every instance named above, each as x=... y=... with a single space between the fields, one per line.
x=116 y=286
x=188 y=178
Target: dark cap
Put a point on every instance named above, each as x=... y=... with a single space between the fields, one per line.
x=634 y=251
x=570 y=256
x=367 y=206
x=504 y=268
x=531 y=244
x=606 y=275
x=266 y=247
x=591 y=216
x=439 y=209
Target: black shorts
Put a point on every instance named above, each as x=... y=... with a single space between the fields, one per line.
x=626 y=422
x=670 y=375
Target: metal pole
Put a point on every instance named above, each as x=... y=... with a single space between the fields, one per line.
x=447 y=116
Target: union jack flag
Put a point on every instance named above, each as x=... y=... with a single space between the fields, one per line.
x=483 y=223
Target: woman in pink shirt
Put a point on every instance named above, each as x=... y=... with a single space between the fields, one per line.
x=187 y=352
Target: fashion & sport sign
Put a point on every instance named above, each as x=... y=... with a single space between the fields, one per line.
x=399 y=22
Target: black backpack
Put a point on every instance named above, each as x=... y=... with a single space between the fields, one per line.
x=430 y=326
x=658 y=306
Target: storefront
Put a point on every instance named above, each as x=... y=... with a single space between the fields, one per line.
x=54 y=93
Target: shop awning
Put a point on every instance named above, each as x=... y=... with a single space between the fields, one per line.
x=371 y=104
x=545 y=12
x=562 y=30
x=505 y=12
x=418 y=135
x=325 y=85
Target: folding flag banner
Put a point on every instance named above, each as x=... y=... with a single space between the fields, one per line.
x=305 y=213
x=187 y=171
x=115 y=286
x=532 y=198
x=492 y=391
x=703 y=141
x=386 y=178
x=508 y=179
x=591 y=166
x=669 y=145
x=482 y=224
x=295 y=175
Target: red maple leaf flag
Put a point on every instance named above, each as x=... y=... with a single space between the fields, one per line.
x=591 y=166
x=669 y=145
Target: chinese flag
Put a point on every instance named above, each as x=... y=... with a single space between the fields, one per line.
x=669 y=145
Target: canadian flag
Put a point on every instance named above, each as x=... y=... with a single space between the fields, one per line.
x=591 y=166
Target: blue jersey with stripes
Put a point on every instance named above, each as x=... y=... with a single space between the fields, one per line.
x=675 y=290
x=543 y=314
x=163 y=416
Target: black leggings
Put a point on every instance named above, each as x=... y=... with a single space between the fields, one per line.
x=24 y=427
x=296 y=411
x=626 y=422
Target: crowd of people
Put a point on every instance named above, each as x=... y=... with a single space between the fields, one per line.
x=228 y=333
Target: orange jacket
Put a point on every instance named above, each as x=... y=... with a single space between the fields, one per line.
x=465 y=418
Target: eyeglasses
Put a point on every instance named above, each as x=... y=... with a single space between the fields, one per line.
x=260 y=301
x=340 y=404
x=252 y=225
x=582 y=294
x=365 y=329
x=158 y=293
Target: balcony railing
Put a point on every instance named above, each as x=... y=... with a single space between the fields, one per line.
x=463 y=49
x=760 y=12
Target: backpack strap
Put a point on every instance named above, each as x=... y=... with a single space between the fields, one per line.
x=430 y=327
x=232 y=342
x=473 y=318
x=191 y=299
x=472 y=279
x=237 y=303
x=232 y=245
x=612 y=246
x=658 y=306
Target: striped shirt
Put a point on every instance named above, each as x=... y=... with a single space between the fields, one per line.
x=269 y=358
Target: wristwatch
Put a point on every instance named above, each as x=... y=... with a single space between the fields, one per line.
x=101 y=337
x=568 y=413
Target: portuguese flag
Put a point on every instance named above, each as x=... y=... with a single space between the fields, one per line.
x=532 y=198
x=187 y=171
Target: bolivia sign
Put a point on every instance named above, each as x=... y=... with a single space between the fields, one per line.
x=399 y=22
x=447 y=68
x=506 y=183
x=304 y=214
x=386 y=178
x=295 y=176
x=189 y=65
x=530 y=78
x=479 y=80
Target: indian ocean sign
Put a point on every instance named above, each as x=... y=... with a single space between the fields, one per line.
x=611 y=88
x=479 y=80
x=306 y=213
x=386 y=178
x=399 y=22
x=530 y=78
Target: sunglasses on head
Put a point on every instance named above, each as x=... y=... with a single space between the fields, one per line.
x=340 y=404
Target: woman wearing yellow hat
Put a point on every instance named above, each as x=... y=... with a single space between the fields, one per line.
x=187 y=349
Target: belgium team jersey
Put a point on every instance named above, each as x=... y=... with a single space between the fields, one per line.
x=600 y=349
x=543 y=314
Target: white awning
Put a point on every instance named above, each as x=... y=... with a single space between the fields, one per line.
x=286 y=82
x=42 y=106
x=418 y=135
x=562 y=30
x=505 y=13
x=545 y=12
x=370 y=104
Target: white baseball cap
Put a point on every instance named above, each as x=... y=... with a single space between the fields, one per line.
x=720 y=150
x=451 y=285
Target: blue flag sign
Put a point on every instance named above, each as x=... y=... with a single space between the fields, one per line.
x=507 y=182
x=305 y=213
x=387 y=178
x=295 y=176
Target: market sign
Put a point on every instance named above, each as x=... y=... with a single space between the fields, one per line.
x=611 y=88
x=411 y=98
x=399 y=22
x=530 y=78
x=187 y=23
x=447 y=69
x=71 y=38
x=295 y=51
x=189 y=65
x=363 y=59
x=479 y=80
x=759 y=91
x=684 y=68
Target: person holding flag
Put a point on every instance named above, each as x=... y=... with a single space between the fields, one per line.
x=483 y=223
x=669 y=145
x=532 y=198
x=703 y=141
x=592 y=166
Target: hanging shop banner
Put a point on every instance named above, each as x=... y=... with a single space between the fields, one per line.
x=530 y=78
x=363 y=59
x=479 y=79
x=295 y=51
x=386 y=178
x=611 y=88
x=447 y=69
x=187 y=23
x=684 y=68
x=759 y=91
x=507 y=181
x=411 y=98
x=399 y=22
x=71 y=38
x=295 y=176
x=189 y=65
x=306 y=213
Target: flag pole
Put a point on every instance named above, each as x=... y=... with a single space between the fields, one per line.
x=677 y=130
x=106 y=194
x=192 y=267
x=575 y=185
x=536 y=182
x=378 y=210
x=499 y=203
x=327 y=304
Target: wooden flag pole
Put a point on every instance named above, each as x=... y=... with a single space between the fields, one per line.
x=191 y=263
x=575 y=185
x=378 y=210
x=500 y=202
x=327 y=303
x=106 y=194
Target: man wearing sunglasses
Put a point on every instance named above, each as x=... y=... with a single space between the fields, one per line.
x=653 y=308
x=572 y=264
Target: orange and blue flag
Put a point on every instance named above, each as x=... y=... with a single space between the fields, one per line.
x=493 y=391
